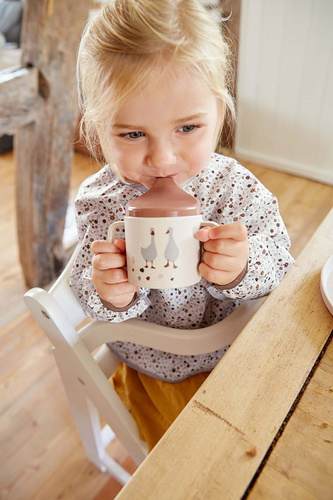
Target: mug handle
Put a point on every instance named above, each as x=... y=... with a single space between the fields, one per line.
x=208 y=223
x=112 y=230
x=205 y=223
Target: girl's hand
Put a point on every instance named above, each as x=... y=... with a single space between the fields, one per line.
x=109 y=273
x=226 y=252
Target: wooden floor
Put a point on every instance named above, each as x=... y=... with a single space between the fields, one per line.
x=41 y=455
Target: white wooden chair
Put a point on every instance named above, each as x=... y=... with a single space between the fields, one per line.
x=85 y=363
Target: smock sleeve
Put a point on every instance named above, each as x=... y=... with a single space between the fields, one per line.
x=249 y=202
x=95 y=211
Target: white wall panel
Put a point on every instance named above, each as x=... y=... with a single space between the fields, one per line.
x=285 y=86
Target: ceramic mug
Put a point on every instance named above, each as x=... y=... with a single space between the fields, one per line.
x=161 y=252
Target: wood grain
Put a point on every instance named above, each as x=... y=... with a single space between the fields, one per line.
x=220 y=439
x=50 y=36
x=41 y=455
x=300 y=465
x=18 y=98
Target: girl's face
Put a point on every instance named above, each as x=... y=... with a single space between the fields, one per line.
x=169 y=129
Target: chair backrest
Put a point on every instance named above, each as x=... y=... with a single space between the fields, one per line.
x=85 y=374
x=173 y=340
x=84 y=368
x=64 y=295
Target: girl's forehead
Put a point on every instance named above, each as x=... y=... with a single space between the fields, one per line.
x=167 y=100
x=176 y=74
x=176 y=84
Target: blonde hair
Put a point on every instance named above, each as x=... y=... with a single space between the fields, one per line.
x=131 y=42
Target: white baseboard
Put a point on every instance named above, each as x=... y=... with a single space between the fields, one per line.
x=300 y=169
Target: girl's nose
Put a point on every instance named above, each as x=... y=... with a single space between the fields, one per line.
x=161 y=155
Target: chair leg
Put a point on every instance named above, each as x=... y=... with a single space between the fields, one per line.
x=87 y=422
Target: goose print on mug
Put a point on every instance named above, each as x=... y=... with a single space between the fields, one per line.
x=171 y=250
x=160 y=255
x=149 y=253
x=161 y=252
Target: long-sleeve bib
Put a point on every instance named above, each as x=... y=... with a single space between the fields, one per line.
x=227 y=193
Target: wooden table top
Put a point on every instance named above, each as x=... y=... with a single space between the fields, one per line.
x=261 y=426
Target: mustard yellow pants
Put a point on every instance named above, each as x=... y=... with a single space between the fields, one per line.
x=153 y=404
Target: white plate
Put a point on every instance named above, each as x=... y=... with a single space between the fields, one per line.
x=326 y=283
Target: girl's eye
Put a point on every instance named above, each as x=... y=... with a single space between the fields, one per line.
x=133 y=135
x=187 y=128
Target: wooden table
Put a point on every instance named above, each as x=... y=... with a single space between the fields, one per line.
x=261 y=426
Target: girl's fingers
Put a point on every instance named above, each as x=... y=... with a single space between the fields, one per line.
x=121 y=298
x=111 y=292
x=121 y=245
x=110 y=276
x=109 y=272
x=221 y=262
x=203 y=234
x=104 y=261
x=225 y=247
x=236 y=231
x=102 y=246
x=216 y=276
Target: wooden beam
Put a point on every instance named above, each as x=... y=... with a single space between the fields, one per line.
x=50 y=37
x=18 y=96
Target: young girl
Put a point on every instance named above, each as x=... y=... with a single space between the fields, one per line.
x=152 y=83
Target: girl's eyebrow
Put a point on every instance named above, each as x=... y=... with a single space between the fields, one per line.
x=124 y=125
x=197 y=116
x=191 y=117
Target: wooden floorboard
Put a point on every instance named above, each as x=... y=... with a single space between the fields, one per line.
x=41 y=454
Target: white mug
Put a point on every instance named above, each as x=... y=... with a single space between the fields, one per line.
x=161 y=251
